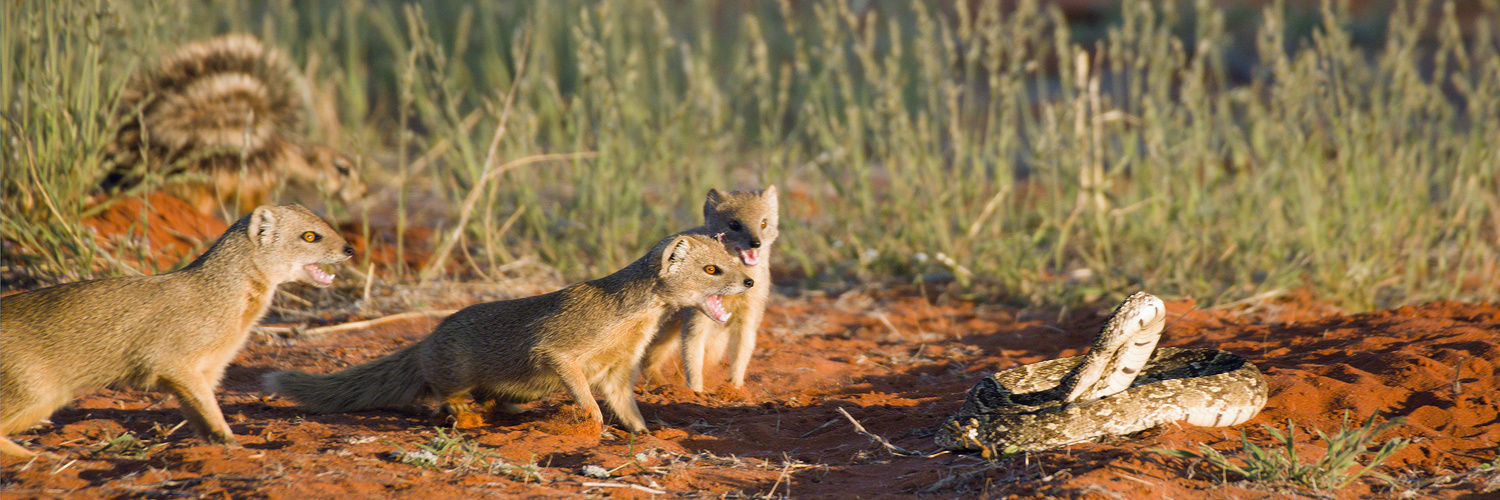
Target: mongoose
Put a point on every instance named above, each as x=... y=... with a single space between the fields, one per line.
x=231 y=111
x=587 y=335
x=748 y=222
x=175 y=331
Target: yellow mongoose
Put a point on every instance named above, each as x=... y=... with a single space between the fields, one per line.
x=176 y=331
x=232 y=111
x=590 y=334
x=748 y=222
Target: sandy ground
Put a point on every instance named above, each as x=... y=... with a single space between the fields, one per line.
x=896 y=361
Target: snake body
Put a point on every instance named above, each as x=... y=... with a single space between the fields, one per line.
x=1122 y=386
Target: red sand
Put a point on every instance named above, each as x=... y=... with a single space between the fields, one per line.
x=896 y=362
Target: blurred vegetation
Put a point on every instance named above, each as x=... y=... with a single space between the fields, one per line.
x=1186 y=148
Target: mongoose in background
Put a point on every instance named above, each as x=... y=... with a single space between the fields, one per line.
x=231 y=111
x=748 y=222
x=176 y=331
x=590 y=334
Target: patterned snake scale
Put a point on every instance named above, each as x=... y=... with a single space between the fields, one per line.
x=1122 y=386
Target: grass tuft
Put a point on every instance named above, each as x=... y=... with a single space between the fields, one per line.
x=1281 y=463
x=447 y=452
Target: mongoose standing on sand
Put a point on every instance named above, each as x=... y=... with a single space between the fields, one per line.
x=748 y=222
x=230 y=111
x=588 y=335
x=177 y=331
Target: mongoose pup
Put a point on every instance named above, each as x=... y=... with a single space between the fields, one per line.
x=588 y=335
x=748 y=222
x=231 y=111
x=175 y=331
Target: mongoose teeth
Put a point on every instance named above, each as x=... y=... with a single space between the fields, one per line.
x=715 y=306
x=750 y=256
x=318 y=275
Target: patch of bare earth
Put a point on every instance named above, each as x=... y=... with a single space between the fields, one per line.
x=895 y=361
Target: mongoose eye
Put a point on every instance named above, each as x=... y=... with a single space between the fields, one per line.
x=711 y=269
x=734 y=225
x=762 y=223
x=311 y=237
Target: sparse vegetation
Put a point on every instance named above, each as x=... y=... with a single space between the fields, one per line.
x=126 y=445
x=1347 y=155
x=1178 y=147
x=1329 y=472
x=455 y=452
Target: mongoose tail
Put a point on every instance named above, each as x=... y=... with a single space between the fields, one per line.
x=231 y=111
x=391 y=382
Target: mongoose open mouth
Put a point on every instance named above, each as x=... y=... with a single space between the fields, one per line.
x=750 y=256
x=714 y=306
x=320 y=277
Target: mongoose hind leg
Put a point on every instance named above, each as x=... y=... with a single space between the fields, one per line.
x=498 y=402
x=21 y=411
x=455 y=407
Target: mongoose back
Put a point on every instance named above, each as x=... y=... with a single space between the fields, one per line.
x=231 y=111
x=588 y=335
x=177 y=331
x=748 y=221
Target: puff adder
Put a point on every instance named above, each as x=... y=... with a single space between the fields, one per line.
x=1123 y=385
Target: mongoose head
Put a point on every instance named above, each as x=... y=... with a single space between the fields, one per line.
x=696 y=272
x=328 y=171
x=747 y=220
x=290 y=243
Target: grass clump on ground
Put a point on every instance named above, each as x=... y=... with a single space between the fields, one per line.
x=1186 y=148
x=1281 y=464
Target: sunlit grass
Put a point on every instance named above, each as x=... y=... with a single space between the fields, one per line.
x=1281 y=463
x=1048 y=164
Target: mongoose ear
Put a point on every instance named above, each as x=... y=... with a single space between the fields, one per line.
x=263 y=225
x=770 y=196
x=714 y=199
x=675 y=254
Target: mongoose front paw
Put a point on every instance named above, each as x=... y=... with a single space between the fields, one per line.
x=226 y=441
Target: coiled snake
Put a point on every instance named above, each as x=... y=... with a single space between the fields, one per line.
x=1123 y=385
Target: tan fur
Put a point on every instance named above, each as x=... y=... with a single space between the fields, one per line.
x=232 y=111
x=747 y=221
x=177 y=331
x=588 y=335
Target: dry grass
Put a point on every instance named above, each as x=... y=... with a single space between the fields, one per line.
x=1181 y=148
